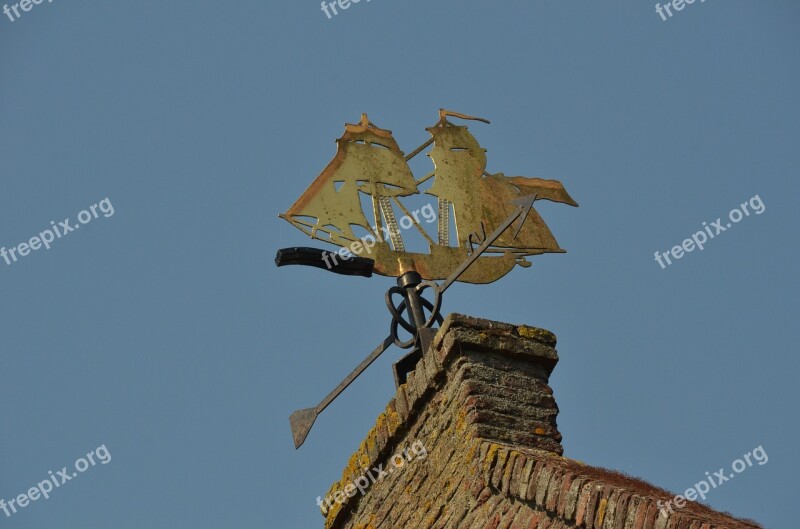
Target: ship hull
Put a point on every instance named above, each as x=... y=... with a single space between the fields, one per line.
x=443 y=261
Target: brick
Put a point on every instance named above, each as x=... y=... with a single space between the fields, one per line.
x=494 y=521
x=509 y=516
x=516 y=473
x=598 y=492
x=381 y=433
x=653 y=513
x=621 y=510
x=525 y=478
x=537 y=471
x=447 y=350
x=401 y=404
x=433 y=368
x=563 y=495
x=411 y=392
x=421 y=380
x=508 y=468
x=497 y=472
x=661 y=521
x=393 y=422
x=573 y=499
x=553 y=488
x=641 y=514
x=371 y=446
x=583 y=504
x=533 y=523
x=542 y=483
x=523 y=519
x=674 y=521
x=608 y=512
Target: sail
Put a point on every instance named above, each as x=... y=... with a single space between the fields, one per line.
x=376 y=161
x=482 y=201
x=367 y=160
x=459 y=162
x=458 y=158
x=552 y=190
x=534 y=235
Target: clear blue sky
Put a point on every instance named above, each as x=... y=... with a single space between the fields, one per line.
x=166 y=332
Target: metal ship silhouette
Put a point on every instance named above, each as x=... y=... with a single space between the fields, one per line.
x=369 y=161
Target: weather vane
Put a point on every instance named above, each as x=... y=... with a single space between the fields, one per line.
x=368 y=161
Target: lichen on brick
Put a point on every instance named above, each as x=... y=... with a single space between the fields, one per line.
x=381 y=421
x=491 y=454
x=461 y=420
x=601 y=512
x=369 y=524
x=392 y=420
x=536 y=333
x=470 y=455
x=353 y=467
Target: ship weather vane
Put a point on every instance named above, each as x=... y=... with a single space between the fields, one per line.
x=369 y=161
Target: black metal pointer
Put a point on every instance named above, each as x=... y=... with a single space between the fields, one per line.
x=302 y=255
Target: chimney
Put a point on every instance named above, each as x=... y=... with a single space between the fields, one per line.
x=470 y=442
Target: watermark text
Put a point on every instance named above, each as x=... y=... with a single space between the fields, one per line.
x=54 y=481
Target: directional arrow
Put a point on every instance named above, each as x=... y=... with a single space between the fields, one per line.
x=301 y=421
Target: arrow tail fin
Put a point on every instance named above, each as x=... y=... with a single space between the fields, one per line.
x=301 y=422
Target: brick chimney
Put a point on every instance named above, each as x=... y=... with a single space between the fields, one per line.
x=470 y=441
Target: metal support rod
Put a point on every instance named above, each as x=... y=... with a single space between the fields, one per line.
x=419 y=149
x=408 y=282
x=416 y=316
